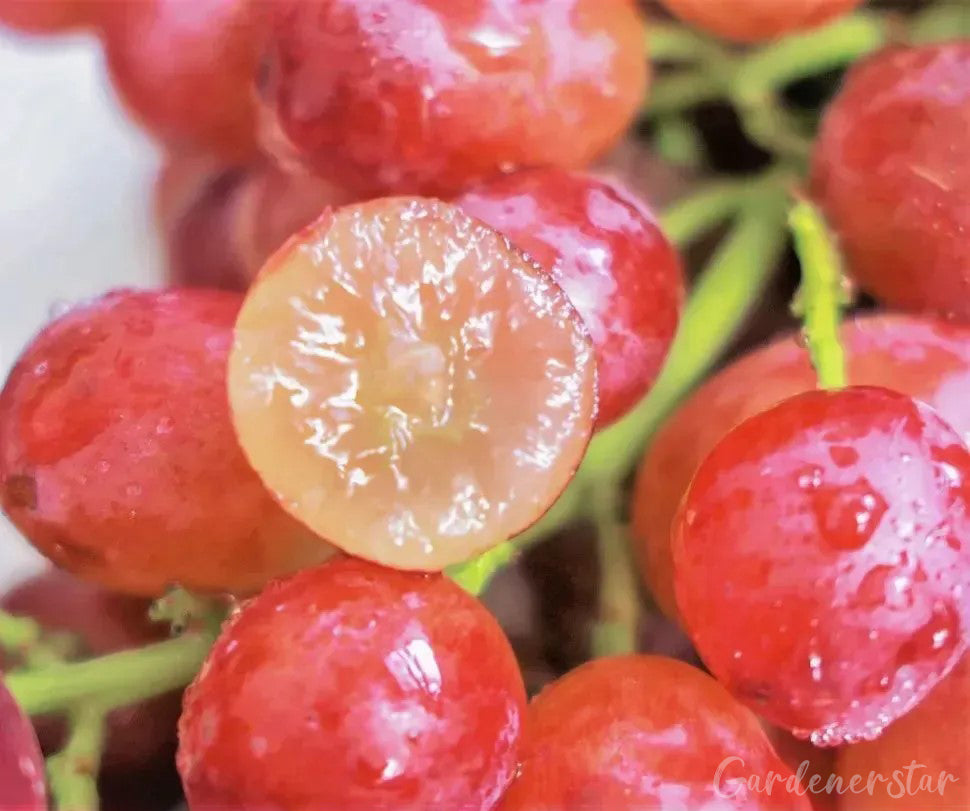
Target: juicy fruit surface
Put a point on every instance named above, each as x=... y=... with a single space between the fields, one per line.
x=410 y=386
x=185 y=69
x=428 y=95
x=139 y=734
x=353 y=687
x=117 y=454
x=891 y=167
x=822 y=560
x=936 y=737
x=608 y=254
x=21 y=764
x=926 y=358
x=221 y=224
x=641 y=733
x=754 y=20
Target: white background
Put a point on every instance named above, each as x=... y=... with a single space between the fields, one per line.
x=75 y=192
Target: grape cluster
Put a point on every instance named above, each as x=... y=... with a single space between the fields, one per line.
x=412 y=327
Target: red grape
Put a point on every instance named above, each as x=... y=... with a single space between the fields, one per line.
x=186 y=70
x=936 y=736
x=106 y=622
x=117 y=454
x=754 y=20
x=221 y=224
x=428 y=95
x=822 y=558
x=891 y=168
x=48 y=16
x=635 y=733
x=606 y=250
x=923 y=357
x=409 y=385
x=21 y=764
x=352 y=687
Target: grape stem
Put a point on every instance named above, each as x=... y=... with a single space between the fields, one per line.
x=26 y=640
x=114 y=680
x=72 y=772
x=822 y=294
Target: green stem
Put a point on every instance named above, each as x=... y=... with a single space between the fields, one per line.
x=721 y=300
x=677 y=43
x=687 y=219
x=73 y=772
x=25 y=639
x=822 y=295
x=675 y=92
x=115 y=680
x=619 y=601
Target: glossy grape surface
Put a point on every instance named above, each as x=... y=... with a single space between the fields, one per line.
x=606 y=250
x=924 y=357
x=755 y=20
x=936 y=736
x=106 y=622
x=220 y=224
x=21 y=764
x=410 y=386
x=117 y=455
x=429 y=95
x=642 y=733
x=186 y=68
x=822 y=560
x=891 y=167
x=352 y=687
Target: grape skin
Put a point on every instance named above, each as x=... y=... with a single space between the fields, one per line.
x=352 y=687
x=891 y=168
x=820 y=557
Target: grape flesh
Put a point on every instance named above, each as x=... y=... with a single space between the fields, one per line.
x=936 y=737
x=822 y=558
x=642 y=733
x=352 y=687
x=427 y=96
x=756 y=20
x=186 y=71
x=409 y=385
x=48 y=16
x=891 y=168
x=927 y=358
x=117 y=456
x=21 y=764
x=607 y=252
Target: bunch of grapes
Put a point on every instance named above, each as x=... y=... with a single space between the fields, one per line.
x=419 y=324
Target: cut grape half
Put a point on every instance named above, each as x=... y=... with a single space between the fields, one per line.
x=409 y=385
x=21 y=764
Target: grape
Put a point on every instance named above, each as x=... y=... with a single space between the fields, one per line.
x=21 y=764
x=221 y=224
x=926 y=358
x=934 y=736
x=410 y=386
x=820 y=555
x=118 y=458
x=636 y=733
x=352 y=687
x=429 y=95
x=794 y=752
x=754 y=20
x=186 y=70
x=891 y=168
x=47 y=16
x=138 y=735
x=606 y=250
